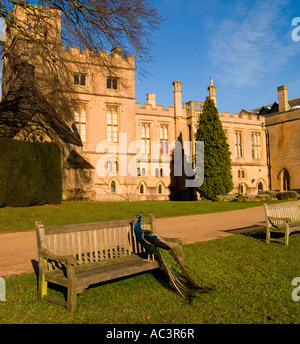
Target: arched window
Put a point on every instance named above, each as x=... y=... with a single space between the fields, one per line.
x=113 y=186
x=243 y=188
x=143 y=172
x=161 y=172
x=142 y=189
x=109 y=166
x=138 y=172
x=260 y=186
x=159 y=189
x=286 y=180
x=156 y=172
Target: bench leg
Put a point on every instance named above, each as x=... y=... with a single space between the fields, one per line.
x=42 y=284
x=268 y=235
x=286 y=236
x=71 y=298
x=72 y=290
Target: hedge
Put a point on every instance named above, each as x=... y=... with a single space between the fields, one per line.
x=30 y=173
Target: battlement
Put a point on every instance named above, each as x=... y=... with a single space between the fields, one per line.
x=158 y=110
x=113 y=59
x=241 y=116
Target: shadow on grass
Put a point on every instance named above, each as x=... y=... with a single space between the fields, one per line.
x=259 y=232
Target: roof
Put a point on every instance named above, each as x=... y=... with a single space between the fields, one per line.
x=21 y=104
x=273 y=108
x=76 y=161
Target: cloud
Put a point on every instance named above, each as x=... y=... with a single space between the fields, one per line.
x=250 y=43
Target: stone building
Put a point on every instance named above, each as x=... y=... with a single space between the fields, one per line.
x=131 y=145
x=282 y=126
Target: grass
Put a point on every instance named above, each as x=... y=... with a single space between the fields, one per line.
x=252 y=284
x=22 y=219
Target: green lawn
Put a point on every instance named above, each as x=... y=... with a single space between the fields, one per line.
x=252 y=284
x=20 y=219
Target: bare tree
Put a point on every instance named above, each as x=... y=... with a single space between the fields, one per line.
x=39 y=31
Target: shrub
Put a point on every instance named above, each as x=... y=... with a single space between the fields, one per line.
x=272 y=193
x=287 y=195
x=224 y=198
x=30 y=173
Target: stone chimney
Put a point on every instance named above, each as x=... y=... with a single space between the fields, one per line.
x=283 y=103
x=177 y=98
x=151 y=99
x=212 y=91
x=177 y=107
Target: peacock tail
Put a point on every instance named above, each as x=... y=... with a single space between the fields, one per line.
x=177 y=274
x=170 y=259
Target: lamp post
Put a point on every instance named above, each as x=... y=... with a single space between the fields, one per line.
x=268 y=153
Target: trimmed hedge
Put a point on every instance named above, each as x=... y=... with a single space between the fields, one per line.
x=30 y=173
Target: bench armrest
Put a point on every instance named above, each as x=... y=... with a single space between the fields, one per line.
x=70 y=260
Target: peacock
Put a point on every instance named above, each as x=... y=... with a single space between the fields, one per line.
x=169 y=261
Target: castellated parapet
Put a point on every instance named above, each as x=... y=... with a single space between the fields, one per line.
x=104 y=58
x=243 y=117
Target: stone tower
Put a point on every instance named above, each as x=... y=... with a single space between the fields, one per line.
x=212 y=91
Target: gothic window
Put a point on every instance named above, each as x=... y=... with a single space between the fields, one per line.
x=238 y=144
x=164 y=143
x=159 y=189
x=112 y=83
x=256 y=145
x=146 y=138
x=142 y=189
x=112 y=124
x=79 y=79
x=113 y=186
x=80 y=122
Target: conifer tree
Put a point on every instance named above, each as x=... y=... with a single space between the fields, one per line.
x=217 y=161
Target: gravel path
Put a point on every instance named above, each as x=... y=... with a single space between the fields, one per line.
x=18 y=253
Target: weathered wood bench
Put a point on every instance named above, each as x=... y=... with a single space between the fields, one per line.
x=76 y=256
x=282 y=218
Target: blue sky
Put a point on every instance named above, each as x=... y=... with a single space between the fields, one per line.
x=246 y=46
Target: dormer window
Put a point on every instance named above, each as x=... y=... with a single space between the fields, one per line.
x=112 y=83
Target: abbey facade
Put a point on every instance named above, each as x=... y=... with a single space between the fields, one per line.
x=131 y=145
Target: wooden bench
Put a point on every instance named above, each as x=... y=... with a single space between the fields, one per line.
x=282 y=218
x=76 y=256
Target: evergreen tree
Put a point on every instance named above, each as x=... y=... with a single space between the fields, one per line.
x=217 y=162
